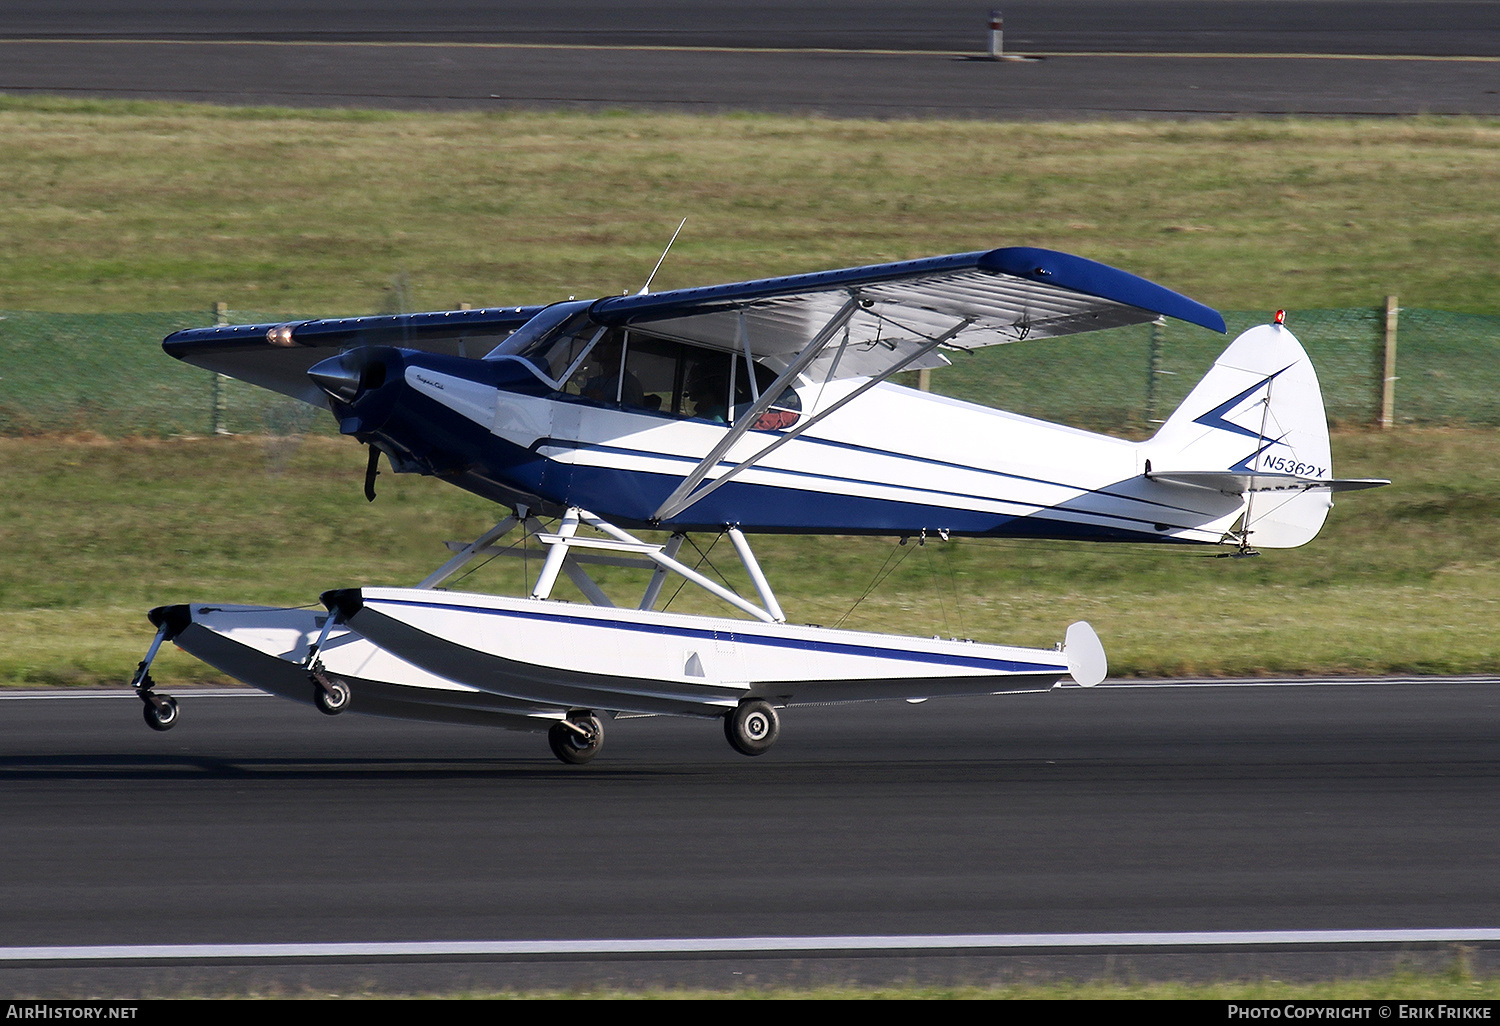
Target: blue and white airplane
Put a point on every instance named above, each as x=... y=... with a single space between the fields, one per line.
x=757 y=407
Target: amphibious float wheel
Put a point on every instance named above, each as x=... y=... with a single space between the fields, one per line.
x=752 y=728
x=332 y=698
x=162 y=713
x=573 y=747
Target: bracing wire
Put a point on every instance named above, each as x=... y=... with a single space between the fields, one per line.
x=886 y=569
x=702 y=559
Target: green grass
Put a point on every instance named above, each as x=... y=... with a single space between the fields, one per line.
x=133 y=206
x=93 y=533
x=1397 y=987
x=1458 y=983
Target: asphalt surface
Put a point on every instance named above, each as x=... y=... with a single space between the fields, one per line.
x=1234 y=26
x=1102 y=58
x=1162 y=809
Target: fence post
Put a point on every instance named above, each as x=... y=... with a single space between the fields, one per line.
x=1153 y=369
x=1388 y=384
x=221 y=318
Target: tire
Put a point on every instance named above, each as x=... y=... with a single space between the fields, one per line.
x=572 y=749
x=332 y=699
x=752 y=728
x=161 y=714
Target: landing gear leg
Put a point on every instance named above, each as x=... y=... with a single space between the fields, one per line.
x=330 y=694
x=160 y=710
x=752 y=728
x=576 y=739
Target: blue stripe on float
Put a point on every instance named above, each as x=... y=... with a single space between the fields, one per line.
x=704 y=634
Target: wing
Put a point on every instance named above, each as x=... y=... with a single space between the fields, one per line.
x=998 y=296
x=278 y=356
x=885 y=315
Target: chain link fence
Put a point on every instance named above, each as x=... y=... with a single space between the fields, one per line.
x=106 y=374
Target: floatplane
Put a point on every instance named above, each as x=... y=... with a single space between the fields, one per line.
x=741 y=409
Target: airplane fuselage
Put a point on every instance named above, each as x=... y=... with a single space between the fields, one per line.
x=896 y=462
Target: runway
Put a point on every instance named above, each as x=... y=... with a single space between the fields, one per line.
x=1098 y=58
x=1145 y=810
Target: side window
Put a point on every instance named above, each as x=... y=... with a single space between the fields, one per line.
x=650 y=380
x=784 y=412
x=705 y=384
x=646 y=373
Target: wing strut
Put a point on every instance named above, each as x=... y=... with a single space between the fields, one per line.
x=673 y=509
x=674 y=503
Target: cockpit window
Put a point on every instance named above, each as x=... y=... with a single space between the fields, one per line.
x=536 y=334
x=623 y=367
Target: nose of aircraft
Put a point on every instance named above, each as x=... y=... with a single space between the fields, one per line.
x=346 y=376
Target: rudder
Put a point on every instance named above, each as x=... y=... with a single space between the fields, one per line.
x=1255 y=425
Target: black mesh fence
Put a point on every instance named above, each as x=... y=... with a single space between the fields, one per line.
x=107 y=374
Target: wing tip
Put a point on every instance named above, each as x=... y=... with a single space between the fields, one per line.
x=1081 y=274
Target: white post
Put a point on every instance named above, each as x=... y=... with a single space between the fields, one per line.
x=221 y=318
x=1388 y=383
x=556 y=555
x=997 y=36
x=752 y=567
x=659 y=577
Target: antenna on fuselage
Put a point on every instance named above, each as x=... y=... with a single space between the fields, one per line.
x=647 y=287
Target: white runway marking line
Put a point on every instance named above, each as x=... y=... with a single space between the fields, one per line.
x=1289 y=682
x=818 y=50
x=747 y=945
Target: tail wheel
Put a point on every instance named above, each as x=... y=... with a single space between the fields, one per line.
x=578 y=739
x=161 y=714
x=752 y=728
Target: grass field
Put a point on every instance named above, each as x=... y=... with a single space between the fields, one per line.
x=93 y=533
x=140 y=206
x=134 y=206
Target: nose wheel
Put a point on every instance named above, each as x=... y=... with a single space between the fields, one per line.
x=752 y=728
x=576 y=739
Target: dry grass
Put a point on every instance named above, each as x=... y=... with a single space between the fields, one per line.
x=137 y=206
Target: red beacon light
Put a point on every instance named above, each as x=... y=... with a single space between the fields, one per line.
x=1280 y=316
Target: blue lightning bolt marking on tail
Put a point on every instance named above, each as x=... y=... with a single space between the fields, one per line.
x=1214 y=418
x=1245 y=464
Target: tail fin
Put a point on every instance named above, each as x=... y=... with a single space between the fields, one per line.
x=1255 y=426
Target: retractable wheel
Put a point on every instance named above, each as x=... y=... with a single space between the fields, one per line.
x=332 y=696
x=578 y=740
x=160 y=712
x=752 y=728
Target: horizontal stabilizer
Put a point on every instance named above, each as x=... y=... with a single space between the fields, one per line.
x=1231 y=483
